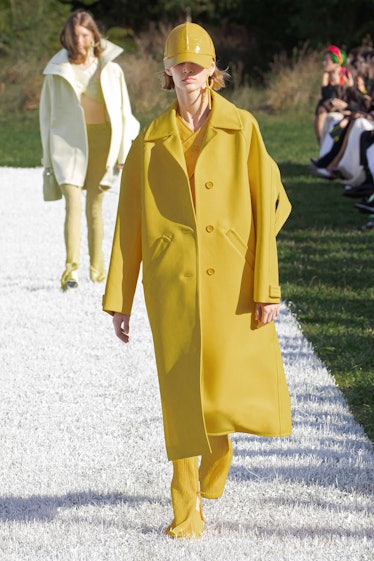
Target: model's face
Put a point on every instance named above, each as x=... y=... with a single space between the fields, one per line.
x=328 y=64
x=189 y=76
x=84 y=39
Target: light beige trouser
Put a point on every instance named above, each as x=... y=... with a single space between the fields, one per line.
x=98 y=146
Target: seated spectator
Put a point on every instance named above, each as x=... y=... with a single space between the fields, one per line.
x=365 y=189
x=340 y=155
x=340 y=140
x=363 y=64
x=357 y=97
x=350 y=164
x=335 y=81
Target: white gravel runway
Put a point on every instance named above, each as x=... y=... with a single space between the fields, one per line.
x=83 y=470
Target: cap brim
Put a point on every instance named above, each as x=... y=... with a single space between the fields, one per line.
x=204 y=61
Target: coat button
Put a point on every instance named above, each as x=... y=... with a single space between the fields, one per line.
x=209 y=228
x=209 y=185
x=210 y=271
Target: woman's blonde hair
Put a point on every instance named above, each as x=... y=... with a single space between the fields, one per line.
x=68 y=37
x=216 y=81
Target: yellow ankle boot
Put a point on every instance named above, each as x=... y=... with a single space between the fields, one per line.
x=215 y=467
x=188 y=519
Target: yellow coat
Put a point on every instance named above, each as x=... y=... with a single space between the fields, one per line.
x=202 y=272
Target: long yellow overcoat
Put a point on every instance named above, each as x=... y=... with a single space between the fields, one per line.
x=202 y=271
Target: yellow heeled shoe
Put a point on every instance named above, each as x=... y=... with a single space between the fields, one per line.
x=188 y=519
x=97 y=276
x=70 y=277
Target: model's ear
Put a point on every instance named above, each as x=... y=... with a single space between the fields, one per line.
x=167 y=71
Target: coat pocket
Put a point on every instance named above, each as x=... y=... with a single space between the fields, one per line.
x=157 y=252
x=160 y=246
x=241 y=247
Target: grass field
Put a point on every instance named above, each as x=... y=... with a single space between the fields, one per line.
x=326 y=261
x=327 y=266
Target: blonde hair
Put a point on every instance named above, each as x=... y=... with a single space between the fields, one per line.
x=216 y=81
x=68 y=38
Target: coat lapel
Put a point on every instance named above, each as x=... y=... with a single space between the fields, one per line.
x=164 y=130
x=224 y=116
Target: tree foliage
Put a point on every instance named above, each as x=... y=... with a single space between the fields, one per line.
x=247 y=33
x=257 y=30
x=281 y=24
x=269 y=26
x=28 y=28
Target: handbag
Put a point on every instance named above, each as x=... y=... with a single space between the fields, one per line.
x=51 y=189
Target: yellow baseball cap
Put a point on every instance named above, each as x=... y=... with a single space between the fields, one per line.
x=189 y=42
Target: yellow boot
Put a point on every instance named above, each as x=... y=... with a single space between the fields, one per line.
x=215 y=467
x=188 y=519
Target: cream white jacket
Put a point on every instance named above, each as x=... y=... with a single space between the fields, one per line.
x=62 y=123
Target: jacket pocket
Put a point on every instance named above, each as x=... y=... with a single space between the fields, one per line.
x=236 y=241
x=160 y=246
x=157 y=252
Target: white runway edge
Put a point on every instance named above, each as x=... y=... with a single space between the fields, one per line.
x=83 y=469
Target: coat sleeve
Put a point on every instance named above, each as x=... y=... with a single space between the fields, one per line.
x=271 y=207
x=130 y=125
x=126 y=253
x=45 y=115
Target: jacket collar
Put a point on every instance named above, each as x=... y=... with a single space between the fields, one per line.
x=224 y=115
x=60 y=65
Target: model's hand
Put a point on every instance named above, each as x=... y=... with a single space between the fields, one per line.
x=265 y=313
x=121 y=324
x=337 y=104
x=335 y=77
x=325 y=79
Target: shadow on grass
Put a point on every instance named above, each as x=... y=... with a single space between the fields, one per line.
x=44 y=507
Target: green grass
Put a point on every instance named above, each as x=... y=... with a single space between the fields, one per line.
x=326 y=266
x=20 y=144
x=326 y=263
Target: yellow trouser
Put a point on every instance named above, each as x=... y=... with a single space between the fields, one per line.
x=215 y=467
x=189 y=483
x=98 y=146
